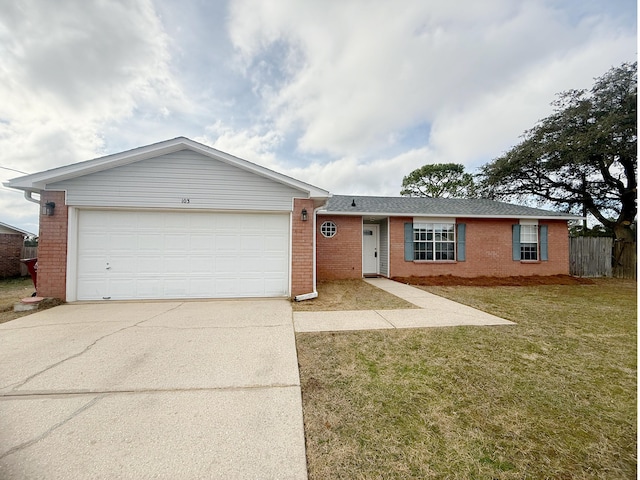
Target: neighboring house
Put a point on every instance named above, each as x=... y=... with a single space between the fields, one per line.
x=178 y=219
x=11 y=242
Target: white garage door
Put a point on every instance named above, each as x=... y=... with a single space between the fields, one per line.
x=146 y=255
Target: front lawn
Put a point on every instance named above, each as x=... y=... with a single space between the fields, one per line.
x=552 y=397
x=12 y=290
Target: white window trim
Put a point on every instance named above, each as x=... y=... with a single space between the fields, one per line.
x=530 y=223
x=434 y=220
x=334 y=228
x=420 y=221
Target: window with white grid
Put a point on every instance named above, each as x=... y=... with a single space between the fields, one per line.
x=434 y=241
x=528 y=242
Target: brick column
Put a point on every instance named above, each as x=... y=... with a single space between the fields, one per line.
x=301 y=248
x=52 y=248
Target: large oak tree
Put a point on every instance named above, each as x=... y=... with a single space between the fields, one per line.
x=438 y=180
x=582 y=158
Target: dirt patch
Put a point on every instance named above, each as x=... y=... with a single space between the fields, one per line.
x=355 y=294
x=519 y=281
x=14 y=289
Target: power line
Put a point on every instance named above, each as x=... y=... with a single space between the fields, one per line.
x=13 y=170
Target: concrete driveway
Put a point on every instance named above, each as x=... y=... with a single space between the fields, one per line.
x=151 y=390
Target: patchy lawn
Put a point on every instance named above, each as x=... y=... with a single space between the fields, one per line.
x=351 y=295
x=552 y=397
x=12 y=290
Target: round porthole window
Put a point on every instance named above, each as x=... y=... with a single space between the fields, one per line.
x=328 y=229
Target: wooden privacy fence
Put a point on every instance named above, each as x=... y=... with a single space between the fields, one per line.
x=27 y=252
x=602 y=257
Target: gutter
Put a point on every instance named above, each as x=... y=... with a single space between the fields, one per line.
x=314 y=293
x=27 y=195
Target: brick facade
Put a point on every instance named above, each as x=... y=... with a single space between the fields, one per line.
x=301 y=248
x=10 y=249
x=52 y=248
x=341 y=255
x=488 y=250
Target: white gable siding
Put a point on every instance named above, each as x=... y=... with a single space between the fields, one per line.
x=183 y=179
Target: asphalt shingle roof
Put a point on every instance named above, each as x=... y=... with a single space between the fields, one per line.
x=418 y=206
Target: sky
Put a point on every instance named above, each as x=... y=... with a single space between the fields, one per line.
x=349 y=95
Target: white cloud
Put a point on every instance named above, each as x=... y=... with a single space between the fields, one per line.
x=255 y=144
x=350 y=96
x=379 y=177
x=362 y=72
x=67 y=68
x=493 y=123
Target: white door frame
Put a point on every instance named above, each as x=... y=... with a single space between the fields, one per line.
x=376 y=234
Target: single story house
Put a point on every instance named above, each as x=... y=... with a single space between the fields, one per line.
x=11 y=242
x=178 y=219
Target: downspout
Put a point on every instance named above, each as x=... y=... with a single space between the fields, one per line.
x=314 y=293
x=27 y=195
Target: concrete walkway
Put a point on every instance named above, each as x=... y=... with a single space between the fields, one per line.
x=175 y=390
x=434 y=311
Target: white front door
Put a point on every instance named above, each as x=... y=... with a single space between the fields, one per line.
x=370 y=247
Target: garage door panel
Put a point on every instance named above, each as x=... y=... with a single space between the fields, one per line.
x=201 y=244
x=150 y=264
x=225 y=265
x=123 y=264
x=272 y=243
x=121 y=288
x=226 y=287
x=173 y=264
x=275 y=285
x=92 y=288
x=181 y=255
x=274 y=265
x=149 y=287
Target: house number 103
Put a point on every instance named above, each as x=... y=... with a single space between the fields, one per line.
x=186 y=200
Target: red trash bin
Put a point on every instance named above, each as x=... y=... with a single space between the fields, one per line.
x=32 y=266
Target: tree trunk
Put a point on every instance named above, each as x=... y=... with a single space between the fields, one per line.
x=623 y=233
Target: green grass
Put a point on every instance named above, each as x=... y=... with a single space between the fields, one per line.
x=552 y=397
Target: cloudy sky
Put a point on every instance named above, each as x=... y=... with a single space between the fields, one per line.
x=347 y=95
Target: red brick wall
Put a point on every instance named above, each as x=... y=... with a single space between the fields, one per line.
x=52 y=248
x=488 y=251
x=341 y=255
x=10 y=249
x=302 y=248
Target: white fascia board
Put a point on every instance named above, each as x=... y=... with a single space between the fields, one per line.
x=38 y=181
x=449 y=215
x=17 y=230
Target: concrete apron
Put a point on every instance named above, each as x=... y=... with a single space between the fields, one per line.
x=152 y=390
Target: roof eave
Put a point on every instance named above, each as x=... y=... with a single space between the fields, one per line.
x=449 y=215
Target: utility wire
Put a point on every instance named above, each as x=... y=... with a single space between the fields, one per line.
x=13 y=170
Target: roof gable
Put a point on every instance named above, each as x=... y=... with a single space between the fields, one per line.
x=39 y=181
x=184 y=179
